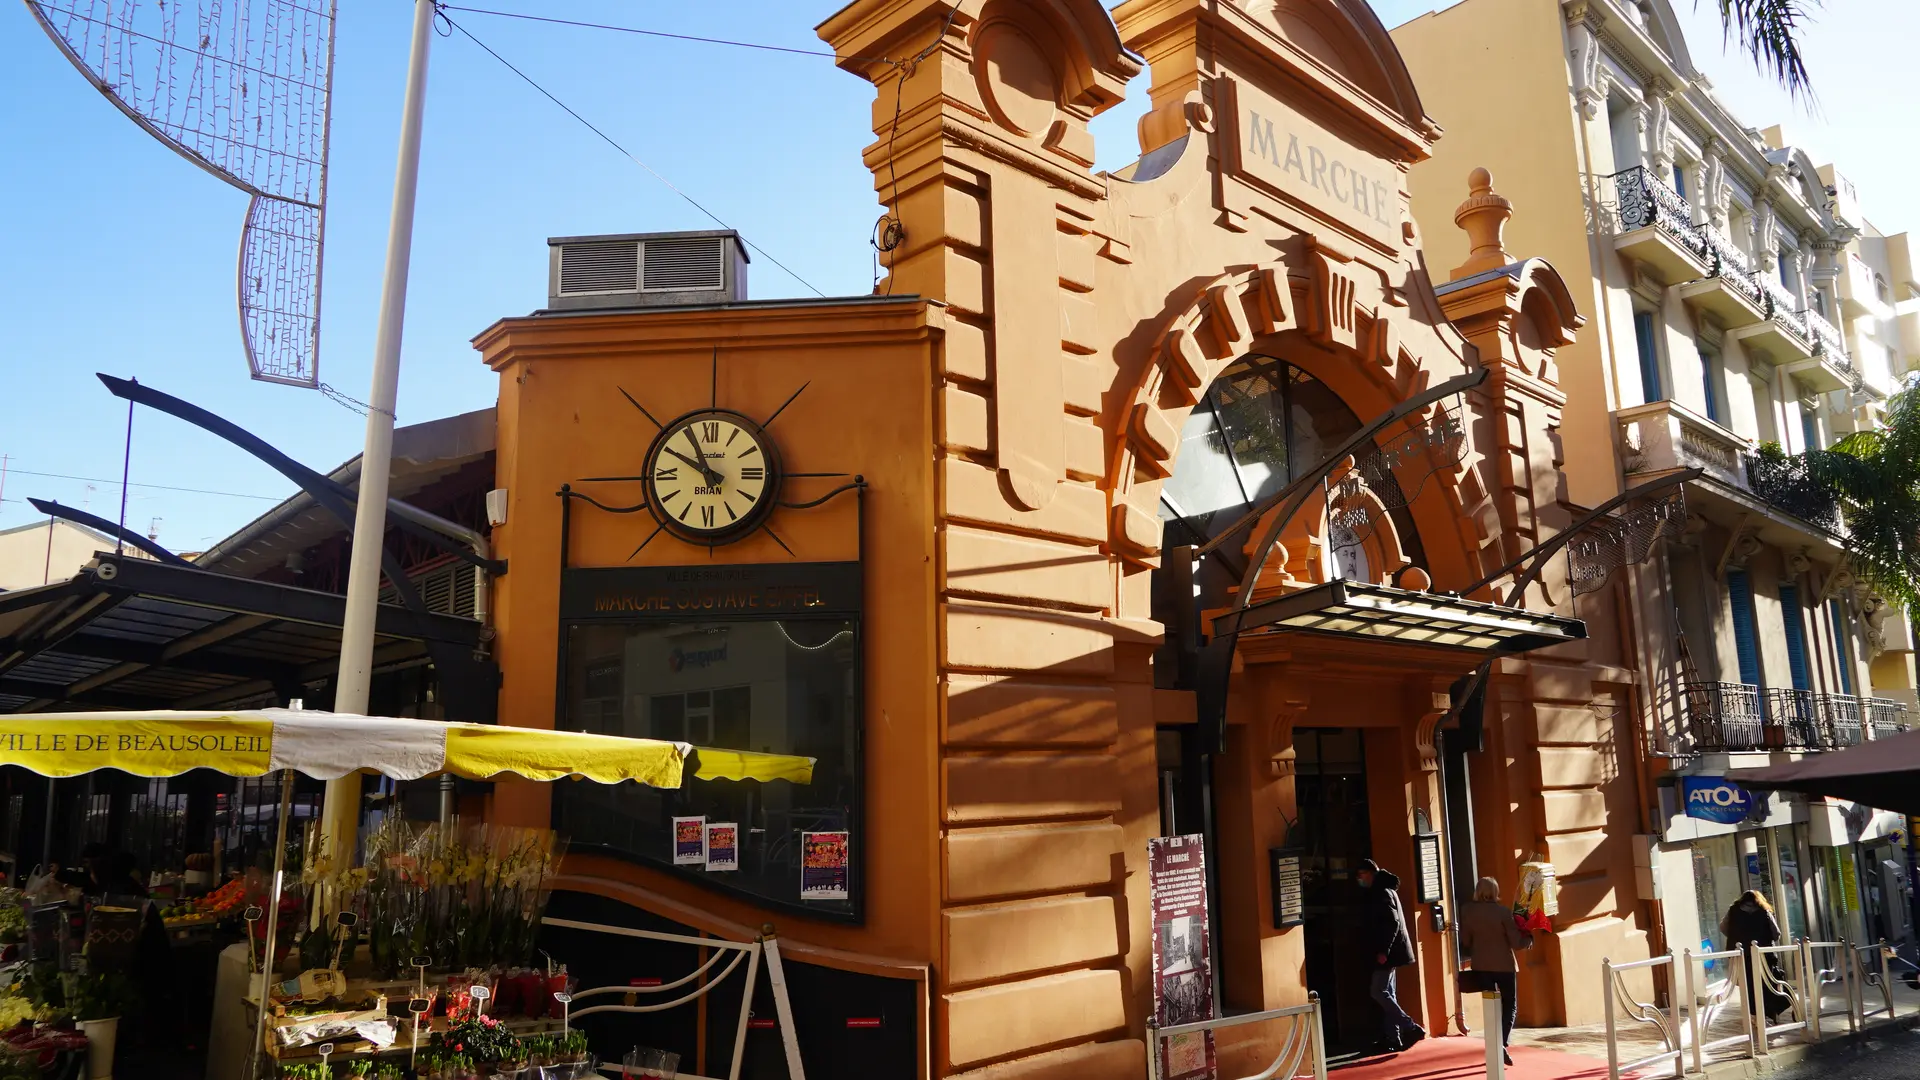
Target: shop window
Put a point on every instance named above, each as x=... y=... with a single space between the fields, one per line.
x=1716 y=886
x=770 y=685
x=1794 y=626
x=1746 y=642
x=1646 y=341
x=1842 y=655
x=1788 y=842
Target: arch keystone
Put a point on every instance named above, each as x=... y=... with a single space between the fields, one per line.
x=1227 y=319
x=1186 y=365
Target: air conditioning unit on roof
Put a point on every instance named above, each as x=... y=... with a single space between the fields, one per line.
x=631 y=270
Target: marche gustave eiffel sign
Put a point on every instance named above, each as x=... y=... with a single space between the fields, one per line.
x=1279 y=149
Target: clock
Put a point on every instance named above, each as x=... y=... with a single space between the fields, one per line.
x=712 y=476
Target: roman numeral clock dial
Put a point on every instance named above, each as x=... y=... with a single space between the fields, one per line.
x=712 y=476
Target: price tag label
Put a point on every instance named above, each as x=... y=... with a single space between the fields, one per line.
x=346 y=918
x=421 y=962
x=563 y=998
x=326 y=1049
x=416 y=1006
x=480 y=993
x=252 y=914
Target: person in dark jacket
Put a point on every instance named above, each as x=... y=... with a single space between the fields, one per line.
x=1488 y=939
x=1750 y=921
x=1383 y=927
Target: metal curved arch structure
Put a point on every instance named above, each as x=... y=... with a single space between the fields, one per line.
x=243 y=89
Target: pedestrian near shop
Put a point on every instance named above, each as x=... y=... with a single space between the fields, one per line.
x=1389 y=948
x=1750 y=922
x=1489 y=937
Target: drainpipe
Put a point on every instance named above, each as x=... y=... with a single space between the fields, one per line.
x=457 y=531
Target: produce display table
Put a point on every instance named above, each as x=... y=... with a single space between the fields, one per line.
x=236 y=1005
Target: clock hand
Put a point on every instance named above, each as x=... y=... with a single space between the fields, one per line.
x=707 y=472
x=684 y=458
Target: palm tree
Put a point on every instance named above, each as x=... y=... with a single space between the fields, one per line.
x=1769 y=31
x=1876 y=477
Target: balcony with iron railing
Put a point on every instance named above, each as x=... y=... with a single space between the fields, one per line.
x=1885 y=717
x=1795 y=714
x=1729 y=291
x=1738 y=717
x=1783 y=334
x=1723 y=717
x=1841 y=718
x=1656 y=226
x=1782 y=481
x=1830 y=368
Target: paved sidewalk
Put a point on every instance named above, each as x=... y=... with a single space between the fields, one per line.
x=1640 y=1040
x=1460 y=1058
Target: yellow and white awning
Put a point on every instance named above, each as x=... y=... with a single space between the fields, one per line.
x=331 y=745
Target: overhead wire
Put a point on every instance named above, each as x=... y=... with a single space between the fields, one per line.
x=610 y=141
x=157 y=487
x=829 y=54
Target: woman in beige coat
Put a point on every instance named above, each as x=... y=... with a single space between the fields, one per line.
x=1488 y=939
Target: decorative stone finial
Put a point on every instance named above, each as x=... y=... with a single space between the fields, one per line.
x=1484 y=215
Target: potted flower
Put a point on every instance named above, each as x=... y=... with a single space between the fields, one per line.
x=96 y=1003
x=573 y=1048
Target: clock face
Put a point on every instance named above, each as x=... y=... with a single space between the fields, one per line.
x=712 y=476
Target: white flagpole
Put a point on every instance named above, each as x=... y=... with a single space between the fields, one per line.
x=342 y=813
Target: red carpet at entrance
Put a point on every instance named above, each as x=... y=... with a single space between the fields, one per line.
x=1464 y=1059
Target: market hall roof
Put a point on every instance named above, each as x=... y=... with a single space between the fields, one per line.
x=424 y=455
x=130 y=633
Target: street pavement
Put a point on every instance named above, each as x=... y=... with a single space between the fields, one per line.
x=1890 y=1055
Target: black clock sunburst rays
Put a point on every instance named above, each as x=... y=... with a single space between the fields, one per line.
x=665 y=429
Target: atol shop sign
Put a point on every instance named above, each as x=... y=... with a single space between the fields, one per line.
x=1715 y=798
x=695 y=659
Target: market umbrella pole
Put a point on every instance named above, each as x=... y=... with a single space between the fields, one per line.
x=273 y=923
x=342 y=813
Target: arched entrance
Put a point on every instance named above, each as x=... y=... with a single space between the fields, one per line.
x=1262 y=423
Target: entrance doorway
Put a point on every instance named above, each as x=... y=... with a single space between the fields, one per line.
x=1335 y=835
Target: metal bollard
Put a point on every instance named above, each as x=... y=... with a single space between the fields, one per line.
x=1810 y=991
x=1697 y=1029
x=1491 y=1021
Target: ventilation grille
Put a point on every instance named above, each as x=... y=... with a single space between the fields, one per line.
x=447 y=590
x=684 y=265
x=600 y=268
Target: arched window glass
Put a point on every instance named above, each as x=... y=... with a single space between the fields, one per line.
x=1260 y=425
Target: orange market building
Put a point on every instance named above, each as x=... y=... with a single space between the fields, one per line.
x=966 y=584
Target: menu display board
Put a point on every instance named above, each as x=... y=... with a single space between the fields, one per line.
x=1426 y=857
x=1288 y=903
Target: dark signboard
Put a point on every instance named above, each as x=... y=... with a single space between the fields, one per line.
x=760 y=590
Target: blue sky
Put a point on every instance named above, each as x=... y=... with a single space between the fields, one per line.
x=116 y=255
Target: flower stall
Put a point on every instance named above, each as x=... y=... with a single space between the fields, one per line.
x=419 y=959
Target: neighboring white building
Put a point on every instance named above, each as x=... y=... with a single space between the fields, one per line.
x=48 y=551
x=1737 y=297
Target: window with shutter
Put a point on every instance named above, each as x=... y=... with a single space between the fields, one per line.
x=1841 y=652
x=1649 y=347
x=1796 y=631
x=1745 y=641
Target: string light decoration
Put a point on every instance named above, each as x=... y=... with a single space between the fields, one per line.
x=244 y=89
